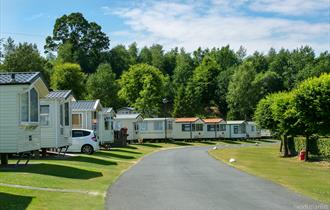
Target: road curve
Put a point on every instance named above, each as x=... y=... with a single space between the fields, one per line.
x=188 y=178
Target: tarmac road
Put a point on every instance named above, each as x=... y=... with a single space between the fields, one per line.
x=188 y=179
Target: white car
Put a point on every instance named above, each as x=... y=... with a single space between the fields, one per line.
x=84 y=141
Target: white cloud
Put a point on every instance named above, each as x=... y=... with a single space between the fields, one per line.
x=178 y=24
x=291 y=7
x=35 y=16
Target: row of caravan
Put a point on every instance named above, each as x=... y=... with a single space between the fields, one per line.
x=185 y=128
x=32 y=117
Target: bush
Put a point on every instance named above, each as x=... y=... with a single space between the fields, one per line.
x=319 y=146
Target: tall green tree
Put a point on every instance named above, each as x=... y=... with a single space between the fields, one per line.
x=142 y=86
x=87 y=39
x=241 y=94
x=145 y=56
x=133 y=52
x=157 y=56
x=120 y=59
x=103 y=85
x=312 y=102
x=69 y=76
x=170 y=61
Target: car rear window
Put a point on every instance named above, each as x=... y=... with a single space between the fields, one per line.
x=80 y=133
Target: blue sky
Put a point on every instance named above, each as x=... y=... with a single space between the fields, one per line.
x=256 y=25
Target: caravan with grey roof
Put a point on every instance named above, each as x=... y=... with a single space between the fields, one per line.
x=20 y=94
x=56 y=119
x=90 y=114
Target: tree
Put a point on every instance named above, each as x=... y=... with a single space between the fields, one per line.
x=265 y=83
x=312 y=102
x=142 y=86
x=277 y=113
x=157 y=56
x=133 y=52
x=221 y=92
x=319 y=66
x=103 y=85
x=119 y=59
x=66 y=53
x=24 y=58
x=241 y=94
x=87 y=39
x=170 y=61
x=145 y=56
x=259 y=62
x=203 y=85
x=69 y=76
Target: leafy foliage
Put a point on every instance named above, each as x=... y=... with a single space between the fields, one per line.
x=103 y=85
x=69 y=76
x=87 y=39
x=142 y=86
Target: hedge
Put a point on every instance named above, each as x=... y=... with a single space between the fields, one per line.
x=319 y=146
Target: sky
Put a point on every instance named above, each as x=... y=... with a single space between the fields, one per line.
x=256 y=25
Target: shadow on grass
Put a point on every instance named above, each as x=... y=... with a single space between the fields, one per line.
x=122 y=150
x=181 y=143
x=268 y=140
x=55 y=170
x=110 y=154
x=92 y=160
x=208 y=142
x=11 y=201
x=230 y=141
x=128 y=147
x=249 y=141
x=150 y=145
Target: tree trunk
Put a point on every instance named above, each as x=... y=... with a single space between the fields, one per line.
x=307 y=148
x=281 y=146
x=4 y=159
x=285 y=145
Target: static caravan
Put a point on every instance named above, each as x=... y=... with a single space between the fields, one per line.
x=214 y=128
x=126 y=110
x=106 y=131
x=252 y=131
x=86 y=115
x=154 y=128
x=188 y=128
x=56 y=119
x=236 y=129
x=20 y=95
x=131 y=122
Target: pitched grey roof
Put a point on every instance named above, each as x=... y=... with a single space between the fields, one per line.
x=85 y=105
x=59 y=94
x=107 y=110
x=126 y=108
x=16 y=78
x=235 y=122
x=127 y=116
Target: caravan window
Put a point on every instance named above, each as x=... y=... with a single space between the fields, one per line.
x=143 y=126
x=252 y=128
x=158 y=126
x=34 y=106
x=169 y=125
x=106 y=123
x=210 y=127
x=61 y=114
x=67 y=113
x=235 y=129
x=29 y=106
x=186 y=127
x=221 y=127
x=197 y=127
x=25 y=107
x=44 y=115
x=77 y=120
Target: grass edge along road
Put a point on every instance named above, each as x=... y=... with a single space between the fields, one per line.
x=85 y=173
x=311 y=179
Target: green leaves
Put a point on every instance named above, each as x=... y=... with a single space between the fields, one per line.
x=142 y=86
x=69 y=76
x=103 y=85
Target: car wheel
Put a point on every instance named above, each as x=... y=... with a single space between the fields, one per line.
x=87 y=149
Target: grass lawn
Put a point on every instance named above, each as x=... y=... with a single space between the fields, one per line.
x=93 y=173
x=308 y=178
